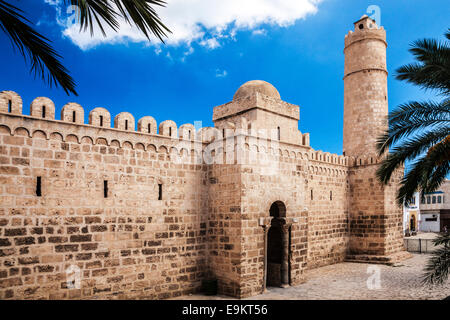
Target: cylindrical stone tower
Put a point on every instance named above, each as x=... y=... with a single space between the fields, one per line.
x=365 y=88
x=375 y=219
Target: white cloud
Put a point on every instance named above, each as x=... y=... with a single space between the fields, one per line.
x=203 y=21
x=221 y=74
x=210 y=43
x=259 y=32
x=52 y=2
x=189 y=51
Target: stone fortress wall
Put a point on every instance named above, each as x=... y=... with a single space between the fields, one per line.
x=126 y=241
x=129 y=243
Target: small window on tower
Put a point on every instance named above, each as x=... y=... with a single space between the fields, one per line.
x=279 y=133
x=170 y=131
x=39 y=187
x=105 y=188
x=331 y=195
x=361 y=26
x=43 y=111
x=159 y=191
x=74 y=116
x=312 y=195
x=149 y=128
x=126 y=124
x=101 y=121
x=9 y=106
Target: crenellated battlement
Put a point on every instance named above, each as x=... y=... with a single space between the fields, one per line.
x=148 y=135
x=43 y=108
x=188 y=151
x=378 y=34
x=364 y=160
x=365 y=28
x=327 y=157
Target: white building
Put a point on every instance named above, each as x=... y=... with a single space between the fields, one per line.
x=430 y=213
x=411 y=214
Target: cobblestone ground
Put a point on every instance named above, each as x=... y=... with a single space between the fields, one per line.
x=345 y=281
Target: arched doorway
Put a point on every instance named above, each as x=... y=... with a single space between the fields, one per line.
x=278 y=210
x=277 y=264
x=412 y=223
x=274 y=254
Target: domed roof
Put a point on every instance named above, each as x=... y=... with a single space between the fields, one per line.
x=251 y=87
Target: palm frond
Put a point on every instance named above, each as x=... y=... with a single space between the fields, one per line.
x=420 y=131
x=427 y=173
x=440 y=153
x=94 y=12
x=409 y=149
x=44 y=60
x=413 y=180
x=433 y=69
x=137 y=12
x=437 y=177
x=412 y=117
x=438 y=266
x=423 y=110
x=427 y=50
x=143 y=16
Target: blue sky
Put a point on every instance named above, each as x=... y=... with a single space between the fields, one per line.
x=300 y=53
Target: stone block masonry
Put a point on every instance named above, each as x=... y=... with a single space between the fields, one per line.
x=128 y=244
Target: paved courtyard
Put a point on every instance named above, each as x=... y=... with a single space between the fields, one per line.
x=349 y=281
x=424 y=235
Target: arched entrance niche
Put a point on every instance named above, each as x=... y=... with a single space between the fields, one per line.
x=278 y=210
x=277 y=252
